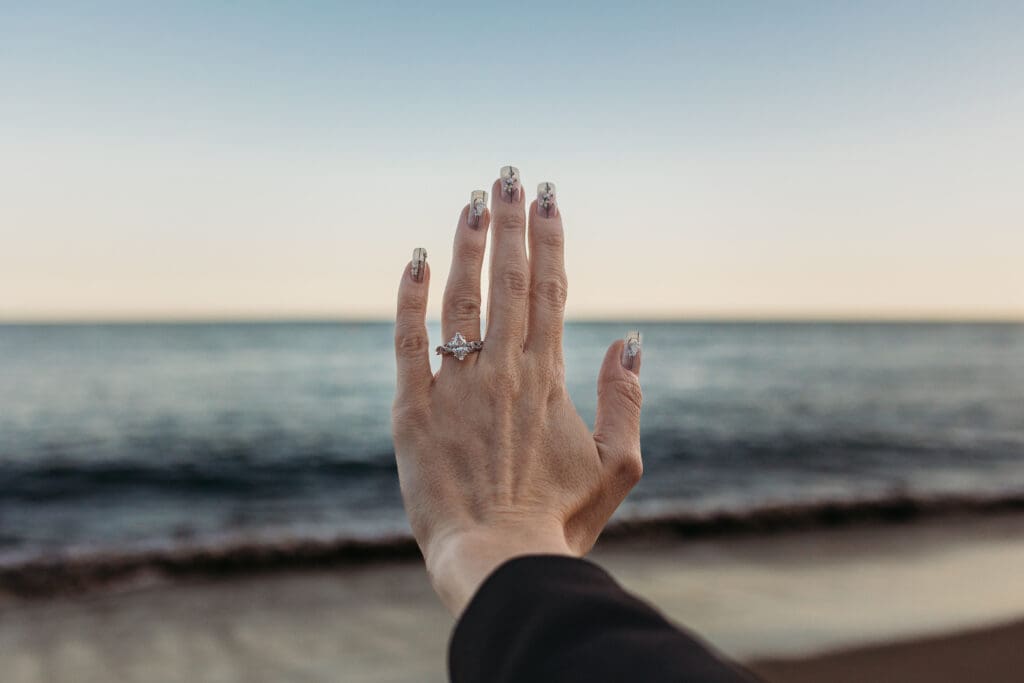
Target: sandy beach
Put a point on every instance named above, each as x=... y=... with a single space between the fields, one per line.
x=993 y=655
x=939 y=600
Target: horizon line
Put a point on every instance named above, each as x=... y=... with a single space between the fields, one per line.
x=961 y=318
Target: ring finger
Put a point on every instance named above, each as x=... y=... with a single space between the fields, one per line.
x=460 y=309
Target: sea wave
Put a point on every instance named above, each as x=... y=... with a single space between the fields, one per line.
x=35 y=481
x=82 y=572
x=255 y=465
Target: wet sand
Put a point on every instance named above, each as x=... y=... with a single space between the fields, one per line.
x=783 y=597
x=993 y=655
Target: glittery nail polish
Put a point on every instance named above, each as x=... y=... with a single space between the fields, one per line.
x=511 y=189
x=631 y=352
x=419 y=264
x=547 y=203
x=477 y=206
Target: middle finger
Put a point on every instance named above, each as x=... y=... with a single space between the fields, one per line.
x=510 y=274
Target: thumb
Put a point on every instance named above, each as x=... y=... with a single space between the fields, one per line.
x=617 y=427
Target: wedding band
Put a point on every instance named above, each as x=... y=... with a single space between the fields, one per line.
x=459 y=347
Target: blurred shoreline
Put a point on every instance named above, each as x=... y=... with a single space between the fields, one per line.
x=776 y=600
x=82 y=572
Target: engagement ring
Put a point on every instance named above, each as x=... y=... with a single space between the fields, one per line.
x=459 y=347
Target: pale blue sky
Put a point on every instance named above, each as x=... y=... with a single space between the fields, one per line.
x=767 y=159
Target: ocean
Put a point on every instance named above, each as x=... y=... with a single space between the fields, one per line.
x=134 y=438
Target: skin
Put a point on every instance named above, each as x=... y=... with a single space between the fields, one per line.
x=493 y=458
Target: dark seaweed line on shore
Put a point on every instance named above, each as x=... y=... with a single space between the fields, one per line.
x=52 y=576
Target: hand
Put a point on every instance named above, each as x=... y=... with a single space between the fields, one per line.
x=493 y=459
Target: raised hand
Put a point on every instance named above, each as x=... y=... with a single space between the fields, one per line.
x=493 y=459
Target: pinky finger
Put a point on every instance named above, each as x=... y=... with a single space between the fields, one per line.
x=411 y=341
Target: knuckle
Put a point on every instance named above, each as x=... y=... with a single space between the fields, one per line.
x=630 y=469
x=407 y=417
x=628 y=394
x=556 y=391
x=464 y=307
x=506 y=379
x=511 y=222
x=471 y=252
x=411 y=343
x=548 y=372
x=516 y=282
x=552 y=291
x=410 y=306
x=545 y=341
x=552 y=239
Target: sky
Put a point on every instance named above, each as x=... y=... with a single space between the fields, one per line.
x=738 y=160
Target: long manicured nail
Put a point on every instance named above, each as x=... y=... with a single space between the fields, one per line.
x=419 y=264
x=631 y=352
x=547 y=203
x=511 y=189
x=477 y=206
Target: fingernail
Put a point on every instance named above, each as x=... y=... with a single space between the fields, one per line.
x=511 y=190
x=547 y=204
x=419 y=264
x=477 y=205
x=631 y=352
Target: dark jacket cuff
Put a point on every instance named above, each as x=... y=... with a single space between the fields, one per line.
x=556 y=618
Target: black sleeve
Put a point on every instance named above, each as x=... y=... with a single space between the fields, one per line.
x=551 y=618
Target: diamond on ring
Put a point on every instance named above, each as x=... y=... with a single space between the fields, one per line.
x=459 y=347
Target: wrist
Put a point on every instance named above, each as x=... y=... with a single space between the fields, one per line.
x=458 y=563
